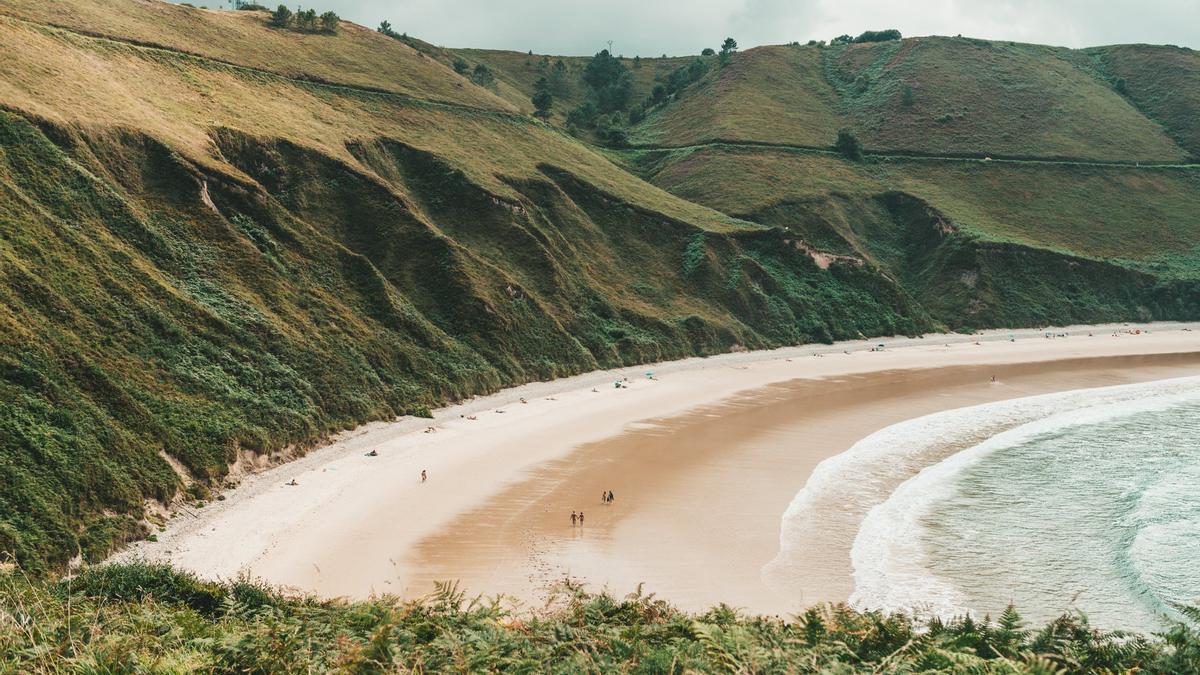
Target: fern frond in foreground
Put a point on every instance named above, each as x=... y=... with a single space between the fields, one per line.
x=139 y=618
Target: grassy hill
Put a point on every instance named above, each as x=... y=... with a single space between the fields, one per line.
x=202 y=260
x=1163 y=82
x=221 y=240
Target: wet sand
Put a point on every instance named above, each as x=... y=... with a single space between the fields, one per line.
x=699 y=496
x=703 y=460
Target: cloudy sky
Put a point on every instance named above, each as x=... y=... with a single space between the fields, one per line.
x=652 y=27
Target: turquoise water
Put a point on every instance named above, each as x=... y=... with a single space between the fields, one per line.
x=1087 y=500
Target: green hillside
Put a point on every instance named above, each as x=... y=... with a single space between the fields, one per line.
x=203 y=260
x=222 y=238
x=1163 y=82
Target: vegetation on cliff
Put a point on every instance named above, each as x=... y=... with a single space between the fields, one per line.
x=141 y=618
x=222 y=238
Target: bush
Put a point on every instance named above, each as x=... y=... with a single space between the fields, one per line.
x=281 y=17
x=461 y=67
x=140 y=581
x=848 y=146
x=482 y=76
x=708 y=51
x=878 y=36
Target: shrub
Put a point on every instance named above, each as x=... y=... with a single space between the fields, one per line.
x=708 y=51
x=848 y=146
x=329 y=22
x=878 y=36
x=385 y=27
x=281 y=17
x=482 y=76
x=461 y=67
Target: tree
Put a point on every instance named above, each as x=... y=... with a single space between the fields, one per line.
x=461 y=67
x=583 y=116
x=878 y=36
x=329 y=22
x=610 y=81
x=558 y=78
x=281 y=17
x=707 y=51
x=306 y=20
x=542 y=99
x=841 y=40
x=848 y=145
x=728 y=46
x=482 y=76
x=386 y=28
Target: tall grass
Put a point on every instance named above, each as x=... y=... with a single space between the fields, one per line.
x=148 y=618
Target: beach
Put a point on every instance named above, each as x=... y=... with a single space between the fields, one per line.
x=703 y=457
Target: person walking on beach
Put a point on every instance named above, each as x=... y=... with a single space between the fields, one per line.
x=423 y=475
x=574 y=519
x=581 y=518
x=610 y=497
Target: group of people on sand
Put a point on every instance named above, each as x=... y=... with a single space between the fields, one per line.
x=606 y=497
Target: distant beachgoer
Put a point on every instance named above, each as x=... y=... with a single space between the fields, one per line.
x=993 y=379
x=604 y=497
x=574 y=519
x=610 y=496
x=523 y=400
x=291 y=482
x=423 y=475
x=581 y=518
x=373 y=453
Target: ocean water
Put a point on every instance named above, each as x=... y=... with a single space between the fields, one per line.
x=1086 y=500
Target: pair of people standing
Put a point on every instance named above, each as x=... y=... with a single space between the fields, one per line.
x=606 y=497
x=577 y=519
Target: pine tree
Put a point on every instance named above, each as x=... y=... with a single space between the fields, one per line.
x=542 y=99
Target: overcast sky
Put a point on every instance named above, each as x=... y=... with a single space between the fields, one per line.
x=652 y=27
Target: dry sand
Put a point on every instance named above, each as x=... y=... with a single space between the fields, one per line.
x=703 y=460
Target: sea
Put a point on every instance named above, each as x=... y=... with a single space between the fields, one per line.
x=1083 y=501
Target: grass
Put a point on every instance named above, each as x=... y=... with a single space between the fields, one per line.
x=360 y=256
x=217 y=239
x=355 y=56
x=145 y=618
x=774 y=94
x=518 y=71
x=1162 y=81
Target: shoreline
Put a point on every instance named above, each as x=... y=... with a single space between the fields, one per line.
x=353 y=523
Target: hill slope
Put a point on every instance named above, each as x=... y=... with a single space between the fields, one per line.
x=222 y=241
x=204 y=263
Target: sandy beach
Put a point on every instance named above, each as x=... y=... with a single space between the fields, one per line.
x=703 y=459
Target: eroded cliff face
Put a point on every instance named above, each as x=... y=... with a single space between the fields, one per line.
x=208 y=260
x=155 y=305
